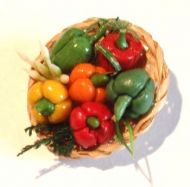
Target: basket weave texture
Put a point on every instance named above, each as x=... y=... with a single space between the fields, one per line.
x=157 y=70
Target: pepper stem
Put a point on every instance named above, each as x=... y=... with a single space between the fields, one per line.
x=93 y=122
x=101 y=32
x=45 y=107
x=100 y=79
x=121 y=42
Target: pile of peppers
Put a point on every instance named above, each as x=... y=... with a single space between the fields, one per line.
x=107 y=84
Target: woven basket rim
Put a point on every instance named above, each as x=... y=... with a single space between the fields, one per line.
x=157 y=69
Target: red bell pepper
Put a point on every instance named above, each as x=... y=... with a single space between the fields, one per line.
x=133 y=55
x=91 y=124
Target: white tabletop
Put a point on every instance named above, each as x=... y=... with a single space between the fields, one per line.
x=162 y=156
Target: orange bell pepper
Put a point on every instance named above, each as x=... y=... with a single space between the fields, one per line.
x=82 y=88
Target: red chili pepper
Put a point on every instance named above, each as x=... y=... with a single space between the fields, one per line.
x=132 y=56
x=91 y=124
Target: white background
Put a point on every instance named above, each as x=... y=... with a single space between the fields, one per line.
x=162 y=154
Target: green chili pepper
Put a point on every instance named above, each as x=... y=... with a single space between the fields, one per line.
x=120 y=106
x=74 y=47
x=121 y=41
x=45 y=107
x=100 y=79
x=110 y=57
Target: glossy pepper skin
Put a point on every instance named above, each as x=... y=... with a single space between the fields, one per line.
x=133 y=55
x=132 y=93
x=74 y=47
x=49 y=102
x=87 y=83
x=86 y=136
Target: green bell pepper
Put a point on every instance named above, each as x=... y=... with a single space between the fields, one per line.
x=131 y=82
x=133 y=93
x=111 y=94
x=74 y=47
x=65 y=38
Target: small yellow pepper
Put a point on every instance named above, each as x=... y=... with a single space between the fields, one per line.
x=49 y=102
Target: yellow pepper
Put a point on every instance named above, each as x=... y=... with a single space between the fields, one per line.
x=49 y=102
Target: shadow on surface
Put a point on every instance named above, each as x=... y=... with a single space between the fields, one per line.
x=164 y=124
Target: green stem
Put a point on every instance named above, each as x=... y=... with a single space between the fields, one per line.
x=94 y=25
x=113 y=61
x=93 y=122
x=101 y=32
x=100 y=79
x=121 y=42
x=121 y=139
x=131 y=136
x=45 y=107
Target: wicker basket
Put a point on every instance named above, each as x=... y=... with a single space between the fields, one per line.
x=156 y=68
